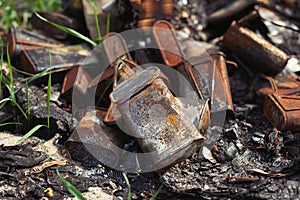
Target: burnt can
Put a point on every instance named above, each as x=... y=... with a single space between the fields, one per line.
x=156 y=118
x=116 y=47
x=37 y=60
x=208 y=72
x=283 y=111
x=70 y=84
x=21 y=39
x=255 y=50
x=219 y=87
x=279 y=84
x=165 y=38
x=92 y=141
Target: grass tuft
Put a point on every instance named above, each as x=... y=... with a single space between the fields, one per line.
x=72 y=189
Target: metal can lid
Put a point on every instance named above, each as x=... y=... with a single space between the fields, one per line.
x=134 y=84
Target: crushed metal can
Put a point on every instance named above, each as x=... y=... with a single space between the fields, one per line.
x=258 y=52
x=92 y=141
x=279 y=84
x=37 y=60
x=20 y=39
x=219 y=101
x=156 y=118
x=165 y=38
x=208 y=71
x=70 y=84
x=283 y=111
x=115 y=46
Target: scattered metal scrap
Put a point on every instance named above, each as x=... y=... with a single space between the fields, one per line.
x=250 y=159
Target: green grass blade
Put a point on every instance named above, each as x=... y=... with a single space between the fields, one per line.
x=4 y=100
x=32 y=131
x=1 y=73
x=27 y=99
x=94 y=5
x=4 y=79
x=11 y=92
x=10 y=123
x=72 y=189
x=68 y=30
x=21 y=109
x=11 y=78
x=96 y=9
x=48 y=99
x=39 y=75
x=128 y=185
x=22 y=72
x=157 y=192
x=108 y=23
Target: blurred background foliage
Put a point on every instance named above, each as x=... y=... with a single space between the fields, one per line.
x=17 y=12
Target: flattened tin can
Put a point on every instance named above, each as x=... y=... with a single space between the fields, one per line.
x=258 y=52
x=37 y=60
x=92 y=141
x=156 y=118
x=20 y=39
x=283 y=111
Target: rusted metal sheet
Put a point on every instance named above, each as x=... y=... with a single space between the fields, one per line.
x=165 y=38
x=255 y=50
x=70 y=84
x=92 y=137
x=20 y=39
x=156 y=118
x=36 y=60
x=283 y=111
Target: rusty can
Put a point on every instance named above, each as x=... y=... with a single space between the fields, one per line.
x=258 y=52
x=92 y=141
x=20 y=39
x=165 y=38
x=116 y=47
x=221 y=87
x=283 y=111
x=208 y=71
x=37 y=60
x=156 y=118
x=70 y=84
x=279 y=84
